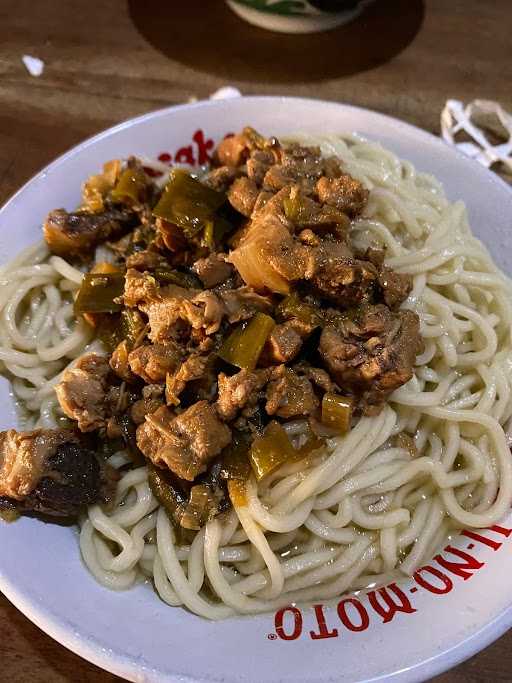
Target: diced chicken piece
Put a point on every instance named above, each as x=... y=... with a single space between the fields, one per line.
x=213 y=270
x=75 y=234
x=280 y=176
x=345 y=193
x=233 y=150
x=243 y=303
x=220 y=179
x=258 y=164
x=372 y=355
x=341 y=278
x=170 y=235
x=152 y=362
x=204 y=311
x=192 y=368
x=82 y=392
x=318 y=376
x=146 y=260
x=395 y=287
x=238 y=390
x=289 y=394
x=140 y=288
x=152 y=399
x=47 y=471
x=269 y=258
x=261 y=201
x=184 y=443
x=284 y=343
x=305 y=212
x=242 y=195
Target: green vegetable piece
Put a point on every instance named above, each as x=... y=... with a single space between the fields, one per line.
x=97 y=293
x=271 y=450
x=131 y=326
x=294 y=209
x=167 y=276
x=215 y=230
x=244 y=345
x=167 y=494
x=235 y=458
x=131 y=186
x=337 y=411
x=292 y=307
x=200 y=508
x=188 y=203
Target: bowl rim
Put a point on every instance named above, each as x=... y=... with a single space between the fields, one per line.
x=91 y=648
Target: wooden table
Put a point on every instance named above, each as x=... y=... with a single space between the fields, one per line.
x=109 y=60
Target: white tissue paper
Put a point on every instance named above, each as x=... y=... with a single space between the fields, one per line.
x=477 y=120
x=33 y=65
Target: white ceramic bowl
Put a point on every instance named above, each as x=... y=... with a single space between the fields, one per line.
x=453 y=609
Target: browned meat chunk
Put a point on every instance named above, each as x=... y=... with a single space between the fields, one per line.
x=220 y=179
x=269 y=258
x=204 y=311
x=213 y=270
x=82 y=392
x=284 y=343
x=373 y=354
x=152 y=362
x=258 y=164
x=345 y=193
x=243 y=303
x=341 y=278
x=184 y=443
x=289 y=394
x=47 y=471
x=318 y=376
x=242 y=195
x=177 y=310
x=146 y=260
x=279 y=176
x=152 y=399
x=233 y=150
x=395 y=287
x=170 y=235
x=236 y=391
x=305 y=212
x=192 y=368
x=164 y=315
x=74 y=234
x=139 y=288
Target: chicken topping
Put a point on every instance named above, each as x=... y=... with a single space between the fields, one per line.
x=372 y=354
x=152 y=362
x=236 y=391
x=184 y=443
x=48 y=471
x=82 y=392
x=289 y=394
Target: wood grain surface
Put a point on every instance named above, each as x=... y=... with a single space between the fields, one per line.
x=108 y=60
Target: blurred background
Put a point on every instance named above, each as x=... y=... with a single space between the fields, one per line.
x=103 y=61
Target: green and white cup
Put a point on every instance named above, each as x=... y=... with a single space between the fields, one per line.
x=298 y=16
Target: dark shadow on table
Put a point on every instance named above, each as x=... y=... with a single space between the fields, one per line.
x=208 y=37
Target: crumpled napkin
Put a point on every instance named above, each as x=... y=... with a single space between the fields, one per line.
x=486 y=129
